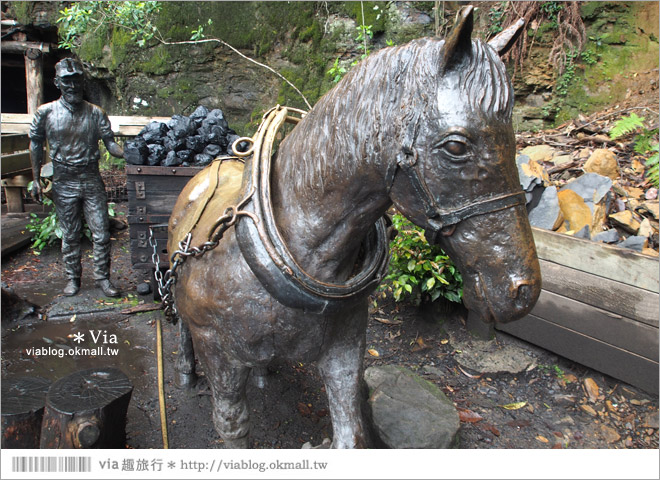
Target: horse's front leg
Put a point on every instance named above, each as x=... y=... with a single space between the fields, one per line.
x=227 y=379
x=184 y=368
x=341 y=366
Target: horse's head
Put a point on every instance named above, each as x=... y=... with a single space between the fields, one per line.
x=455 y=172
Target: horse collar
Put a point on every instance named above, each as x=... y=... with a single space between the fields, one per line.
x=267 y=254
x=441 y=218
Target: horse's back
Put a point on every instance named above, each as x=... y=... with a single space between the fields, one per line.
x=203 y=200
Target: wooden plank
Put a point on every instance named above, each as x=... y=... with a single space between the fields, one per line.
x=607 y=261
x=141 y=170
x=19 y=123
x=14 y=234
x=611 y=360
x=14 y=143
x=20 y=47
x=615 y=297
x=610 y=328
x=15 y=162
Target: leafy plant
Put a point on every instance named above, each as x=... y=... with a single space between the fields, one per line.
x=47 y=230
x=84 y=17
x=646 y=142
x=626 y=125
x=336 y=71
x=419 y=270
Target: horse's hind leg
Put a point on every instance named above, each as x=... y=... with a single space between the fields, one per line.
x=184 y=368
x=341 y=366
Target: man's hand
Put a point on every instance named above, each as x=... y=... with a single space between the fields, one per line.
x=36 y=190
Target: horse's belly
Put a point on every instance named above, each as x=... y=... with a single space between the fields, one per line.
x=224 y=303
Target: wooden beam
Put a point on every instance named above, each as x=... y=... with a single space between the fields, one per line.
x=615 y=297
x=34 y=81
x=21 y=47
x=592 y=352
x=606 y=261
x=19 y=123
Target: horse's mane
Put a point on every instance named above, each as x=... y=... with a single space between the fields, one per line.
x=364 y=116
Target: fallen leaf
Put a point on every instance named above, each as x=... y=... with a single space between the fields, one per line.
x=468 y=416
x=469 y=374
x=419 y=345
x=591 y=387
x=541 y=438
x=304 y=410
x=491 y=428
x=387 y=321
x=73 y=319
x=444 y=341
x=513 y=406
x=610 y=434
x=373 y=352
x=519 y=423
x=589 y=410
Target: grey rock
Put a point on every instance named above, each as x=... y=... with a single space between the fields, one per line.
x=591 y=187
x=634 y=242
x=584 y=232
x=408 y=411
x=608 y=236
x=545 y=214
x=527 y=182
x=143 y=289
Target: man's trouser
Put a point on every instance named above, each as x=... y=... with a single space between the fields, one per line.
x=76 y=193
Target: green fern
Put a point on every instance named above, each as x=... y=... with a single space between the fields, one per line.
x=652 y=164
x=626 y=125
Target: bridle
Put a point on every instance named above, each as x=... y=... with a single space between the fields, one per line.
x=442 y=218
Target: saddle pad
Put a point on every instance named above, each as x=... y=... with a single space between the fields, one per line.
x=203 y=200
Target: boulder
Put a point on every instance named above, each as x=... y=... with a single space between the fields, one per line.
x=608 y=236
x=603 y=162
x=547 y=214
x=634 y=242
x=157 y=153
x=626 y=220
x=539 y=153
x=136 y=151
x=410 y=412
x=171 y=160
x=181 y=127
x=575 y=211
x=154 y=132
x=212 y=150
x=595 y=191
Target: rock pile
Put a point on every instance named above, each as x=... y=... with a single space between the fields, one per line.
x=584 y=194
x=186 y=141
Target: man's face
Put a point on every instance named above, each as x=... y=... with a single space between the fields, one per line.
x=71 y=87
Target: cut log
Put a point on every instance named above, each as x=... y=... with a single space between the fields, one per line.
x=23 y=401
x=87 y=409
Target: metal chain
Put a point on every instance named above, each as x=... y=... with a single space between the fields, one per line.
x=166 y=281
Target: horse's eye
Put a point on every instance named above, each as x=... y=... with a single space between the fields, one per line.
x=455 y=148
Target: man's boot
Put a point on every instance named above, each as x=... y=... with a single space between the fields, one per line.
x=72 y=287
x=108 y=289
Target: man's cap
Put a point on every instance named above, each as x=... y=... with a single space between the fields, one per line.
x=68 y=67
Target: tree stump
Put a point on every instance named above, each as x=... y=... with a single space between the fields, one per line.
x=87 y=409
x=23 y=401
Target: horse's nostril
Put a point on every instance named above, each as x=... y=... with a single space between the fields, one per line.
x=521 y=290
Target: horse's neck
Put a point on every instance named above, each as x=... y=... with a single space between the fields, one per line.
x=324 y=216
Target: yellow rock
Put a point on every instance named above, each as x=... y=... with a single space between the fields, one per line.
x=539 y=153
x=576 y=213
x=645 y=228
x=603 y=162
x=535 y=169
x=626 y=221
x=650 y=251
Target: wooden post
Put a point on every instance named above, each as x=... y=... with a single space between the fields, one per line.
x=87 y=409
x=23 y=401
x=34 y=82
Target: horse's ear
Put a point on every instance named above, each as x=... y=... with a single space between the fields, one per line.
x=504 y=40
x=458 y=43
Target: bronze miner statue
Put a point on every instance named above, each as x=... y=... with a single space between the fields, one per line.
x=73 y=127
x=288 y=246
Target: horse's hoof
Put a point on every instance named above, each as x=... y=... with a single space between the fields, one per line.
x=236 y=442
x=185 y=381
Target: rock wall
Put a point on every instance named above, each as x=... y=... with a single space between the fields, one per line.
x=302 y=41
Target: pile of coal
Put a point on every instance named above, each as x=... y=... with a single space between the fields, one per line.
x=192 y=141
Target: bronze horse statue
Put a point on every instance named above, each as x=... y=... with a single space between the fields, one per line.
x=424 y=126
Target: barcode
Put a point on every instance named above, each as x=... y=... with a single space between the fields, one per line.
x=51 y=464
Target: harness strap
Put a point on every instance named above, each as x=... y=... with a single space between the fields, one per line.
x=445 y=217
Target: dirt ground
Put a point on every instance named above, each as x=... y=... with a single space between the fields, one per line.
x=550 y=402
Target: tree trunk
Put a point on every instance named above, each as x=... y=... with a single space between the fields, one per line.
x=23 y=401
x=87 y=409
